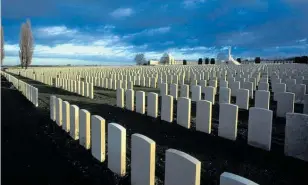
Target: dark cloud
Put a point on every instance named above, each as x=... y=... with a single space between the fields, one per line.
x=249 y=25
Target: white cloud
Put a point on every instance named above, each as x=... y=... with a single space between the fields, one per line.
x=64 y=61
x=122 y=12
x=53 y=31
x=85 y=48
x=302 y=40
x=100 y=53
x=149 y=32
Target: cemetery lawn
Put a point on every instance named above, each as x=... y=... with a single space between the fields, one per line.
x=217 y=155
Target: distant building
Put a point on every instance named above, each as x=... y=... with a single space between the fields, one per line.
x=167 y=59
x=153 y=62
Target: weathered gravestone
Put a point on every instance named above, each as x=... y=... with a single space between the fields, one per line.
x=296 y=136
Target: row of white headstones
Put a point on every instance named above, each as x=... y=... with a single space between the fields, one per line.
x=30 y=92
x=90 y=130
x=260 y=117
x=81 y=88
x=149 y=77
x=86 y=89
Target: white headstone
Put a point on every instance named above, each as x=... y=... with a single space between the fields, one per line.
x=228 y=115
x=262 y=99
x=167 y=108
x=181 y=168
x=196 y=93
x=260 y=128
x=120 y=98
x=74 y=122
x=300 y=91
x=91 y=91
x=204 y=116
x=84 y=128
x=224 y=95
x=209 y=94
x=142 y=160
x=183 y=112
x=234 y=87
x=263 y=86
x=140 y=102
x=296 y=136
x=116 y=148
x=249 y=86
x=306 y=104
x=129 y=100
x=98 y=137
x=59 y=120
x=152 y=105
x=285 y=103
x=53 y=107
x=223 y=83
x=242 y=99
x=66 y=116
x=185 y=91
x=163 y=89
x=278 y=88
x=174 y=91
x=232 y=179
x=290 y=84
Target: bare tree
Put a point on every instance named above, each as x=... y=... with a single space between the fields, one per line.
x=2 y=45
x=140 y=59
x=26 y=45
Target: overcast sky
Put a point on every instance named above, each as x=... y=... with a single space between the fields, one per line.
x=113 y=31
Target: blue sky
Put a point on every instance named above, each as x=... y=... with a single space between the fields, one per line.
x=113 y=31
